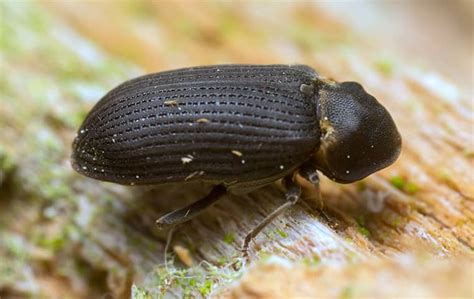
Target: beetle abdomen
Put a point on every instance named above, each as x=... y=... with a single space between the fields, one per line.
x=230 y=124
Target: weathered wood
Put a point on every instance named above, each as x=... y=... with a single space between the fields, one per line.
x=65 y=234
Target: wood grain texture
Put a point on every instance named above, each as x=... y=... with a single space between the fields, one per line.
x=65 y=234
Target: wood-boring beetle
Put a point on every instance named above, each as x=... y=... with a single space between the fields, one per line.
x=238 y=127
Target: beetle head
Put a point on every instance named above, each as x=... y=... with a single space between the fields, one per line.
x=358 y=135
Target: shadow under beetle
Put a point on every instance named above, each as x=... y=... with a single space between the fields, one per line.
x=238 y=127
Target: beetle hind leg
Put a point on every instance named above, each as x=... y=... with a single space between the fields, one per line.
x=292 y=195
x=187 y=213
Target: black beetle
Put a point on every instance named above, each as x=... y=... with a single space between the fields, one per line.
x=238 y=127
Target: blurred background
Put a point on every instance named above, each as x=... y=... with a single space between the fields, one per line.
x=65 y=236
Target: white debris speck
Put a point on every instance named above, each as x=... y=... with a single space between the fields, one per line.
x=82 y=131
x=191 y=175
x=102 y=170
x=282 y=167
x=202 y=120
x=84 y=167
x=187 y=159
x=325 y=118
x=243 y=161
x=132 y=184
x=113 y=140
x=372 y=146
x=171 y=103
x=137 y=176
x=237 y=153
x=347 y=171
x=348 y=156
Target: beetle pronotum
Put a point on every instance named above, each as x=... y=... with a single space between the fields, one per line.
x=238 y=127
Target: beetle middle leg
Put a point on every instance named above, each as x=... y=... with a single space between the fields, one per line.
x=187 y=213
x=293 y=192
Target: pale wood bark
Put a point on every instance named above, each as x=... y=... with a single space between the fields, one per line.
x=422 y=207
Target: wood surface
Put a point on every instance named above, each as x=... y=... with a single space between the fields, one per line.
x=405 y=231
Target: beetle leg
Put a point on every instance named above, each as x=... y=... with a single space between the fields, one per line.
x=309 y=172
x=292 y=195
x=191 y=211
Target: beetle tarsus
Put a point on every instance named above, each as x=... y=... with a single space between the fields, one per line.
x=187 y=213
x=292 y=195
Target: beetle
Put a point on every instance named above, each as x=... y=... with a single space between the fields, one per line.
x=238 y=127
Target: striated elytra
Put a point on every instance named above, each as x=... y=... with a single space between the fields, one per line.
x=238 y=127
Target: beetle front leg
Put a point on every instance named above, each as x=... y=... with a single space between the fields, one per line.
x=309 y=172
x=187 y=213
x=292 y=195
